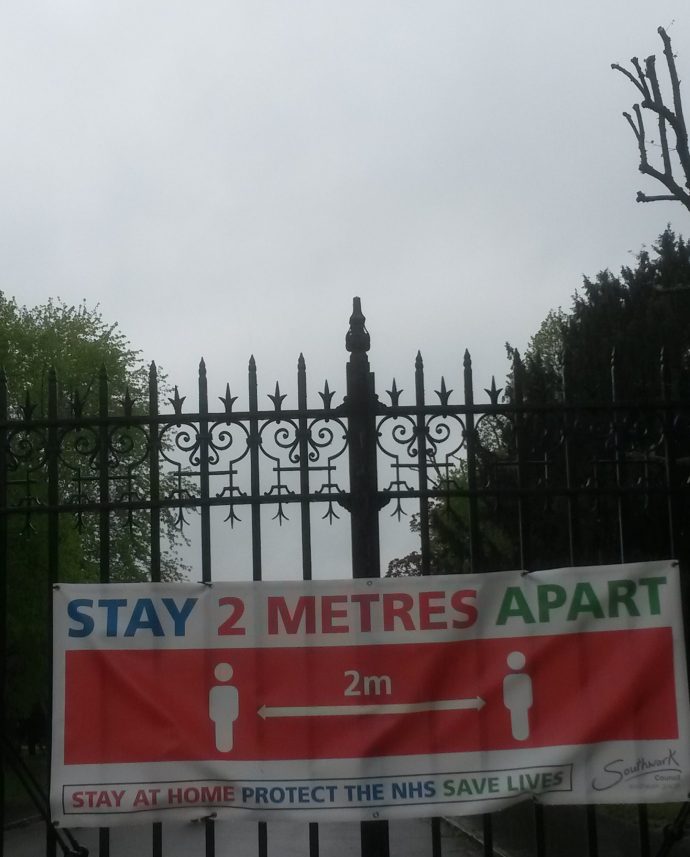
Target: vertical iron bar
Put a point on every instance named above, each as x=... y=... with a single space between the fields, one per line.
x=424 y=525
x=471 y=450
x=670 y=467
x=420 y=430
x=53 y=452
x=103 y=487
x=675 y=531
x=488 y=834
x=571 y=501
x=154 y=477
x=364 y=512
x=155 y=534
x=436 y=837
x=305 y=517
x=618 y=461
x=53 y=564
x=206 y=573
x=4 y=556
x=671 y=479
x=303 y=427
x=524 y=531
x=313 y=839
x=643 y=822
x=254 y=441
x=103 y=526
x=262 y=838
x=642 y=815
x=476 y=559
x=592 y=831
x=204 y=477
x=521 y=451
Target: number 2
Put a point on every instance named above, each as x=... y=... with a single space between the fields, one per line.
x=229 y=627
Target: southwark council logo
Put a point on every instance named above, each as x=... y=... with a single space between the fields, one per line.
x=643 y=770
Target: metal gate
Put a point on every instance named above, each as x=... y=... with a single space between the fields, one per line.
x=510 y=483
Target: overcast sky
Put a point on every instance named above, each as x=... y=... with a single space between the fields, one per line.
x=223 y=177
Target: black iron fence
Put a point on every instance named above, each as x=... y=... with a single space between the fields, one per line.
x=92 y=486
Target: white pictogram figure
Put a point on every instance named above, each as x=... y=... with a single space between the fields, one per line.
x=223 y=707
x=517 y=696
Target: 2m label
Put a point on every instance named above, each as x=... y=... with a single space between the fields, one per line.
x=367 y=685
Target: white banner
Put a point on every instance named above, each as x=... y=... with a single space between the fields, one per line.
x=368 y=699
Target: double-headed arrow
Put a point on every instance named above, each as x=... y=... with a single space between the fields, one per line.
x=385 y=708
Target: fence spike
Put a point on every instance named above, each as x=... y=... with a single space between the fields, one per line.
x=468 y=380
x=443 y=394
x=517 y=376
x=153 y=389
x=177 y=401
x=394 y=394
x=228 y=400
x=277 y=398
x=327 y=396
x=493 y=392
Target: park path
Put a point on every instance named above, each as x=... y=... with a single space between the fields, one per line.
x=239 y=839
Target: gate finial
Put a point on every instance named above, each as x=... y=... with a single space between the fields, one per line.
x=357 y=337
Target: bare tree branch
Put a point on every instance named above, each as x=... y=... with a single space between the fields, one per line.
x=631 y=77
x=658 y=102
x=647 y=84
x=642 y=197
x=638 y=132
x=643 y=83
x=680 y=129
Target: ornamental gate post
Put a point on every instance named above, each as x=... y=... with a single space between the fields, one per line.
x=361 y=402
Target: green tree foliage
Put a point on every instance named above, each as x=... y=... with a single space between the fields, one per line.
x=79 y=345
x=610 y=346
x=631 y=318
x=75 y=341
x=449 y=537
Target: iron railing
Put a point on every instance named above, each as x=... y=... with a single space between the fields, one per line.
x=502 y=484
